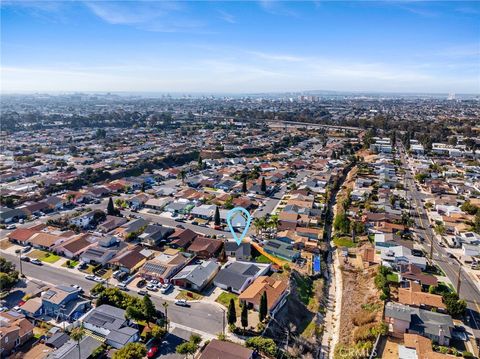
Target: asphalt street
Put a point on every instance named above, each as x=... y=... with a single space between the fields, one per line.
x=452 y=268
x=206 y=317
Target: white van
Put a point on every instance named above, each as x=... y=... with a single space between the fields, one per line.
x=122 y=286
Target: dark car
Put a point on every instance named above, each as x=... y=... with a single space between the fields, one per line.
x=141 y=283
x=152 y=352
x=25 y=258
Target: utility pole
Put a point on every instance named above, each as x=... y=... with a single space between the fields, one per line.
x=19 y=253
x=431 y=247
x=223 y=321
x=459 y=279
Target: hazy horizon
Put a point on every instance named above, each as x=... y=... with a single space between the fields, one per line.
x=240 y=47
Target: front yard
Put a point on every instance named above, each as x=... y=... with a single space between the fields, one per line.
x=44 y=256
x=188 y=295
x=224 y=299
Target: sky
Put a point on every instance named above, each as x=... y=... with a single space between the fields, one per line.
x=240 y=47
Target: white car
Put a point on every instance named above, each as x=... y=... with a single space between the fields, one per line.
x=182 y=303
x=76 y=286
x=12 y=226
x=165 y=288
x=90 y=277
x=99 y=279
x=152 y=287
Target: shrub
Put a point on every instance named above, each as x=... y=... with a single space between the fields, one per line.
x=264 y=345
x=466 y=354
x=363 y=317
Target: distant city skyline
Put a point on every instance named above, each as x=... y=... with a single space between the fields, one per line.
x=240 y=47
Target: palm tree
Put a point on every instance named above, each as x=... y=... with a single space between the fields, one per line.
x=165 y=306
x=182 y=176
x=259 y=224
x=274 y=221
x=77 y=334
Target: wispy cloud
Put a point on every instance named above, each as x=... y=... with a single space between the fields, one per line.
x=227 y=17
x=150 y=16
x=277 y=7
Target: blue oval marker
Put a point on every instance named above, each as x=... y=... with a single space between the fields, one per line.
x=230 y=215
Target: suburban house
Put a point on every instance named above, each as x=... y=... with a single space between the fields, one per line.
x=155 y=234
x=75 y=246
x=281 y=249
x=105 y=249
x=164 y=266
x=276 y=290
x=129 y=260
x=196 y=276
x=110 y=223
x=237 y=276
x=63 y=303
x=182 y=238
x=403 y=319
x=15 y=330
x=109 y=322
x=9 y=215
x=70 y=350
x=226 y=350
x=205 y=248
x=414 y=297
x=413 y=273
x=242 y=252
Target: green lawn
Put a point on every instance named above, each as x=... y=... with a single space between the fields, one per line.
x=50 y=258
x=73 y=264
x=262 y=259
x=392 y=277
x=44 y=256
x=224 y=299
x=344 y=242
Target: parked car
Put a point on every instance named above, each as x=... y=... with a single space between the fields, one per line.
x=142 y=292
x=122 y=286
x=141 y=283
x=11 y=226
x=99 y=279
x=90 y=277
x=26 y=249
x=76 y=286
x=165 y=288
x=25 y=258
x=182 y=303
x=36 y=262
x=152 y=287
x=152 y=352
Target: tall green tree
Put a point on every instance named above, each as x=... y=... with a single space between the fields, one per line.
x=263 y=309
x=232 y=313
x=244 y=316
x=263 y=185
x=244 y=185
x=77 y=334
x=216 y=217
x=149 y=310
x=110 y=207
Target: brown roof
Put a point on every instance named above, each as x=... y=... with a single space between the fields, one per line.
x=274 y=289
x=414 y=273
x=217 y=349
x=201 y=244
x=288 y=217
x=129 y=259
x=415 y=297
x=76 y=244
x=423 y=347
x=44 y=239
x=182 y=237
x=21 y=234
